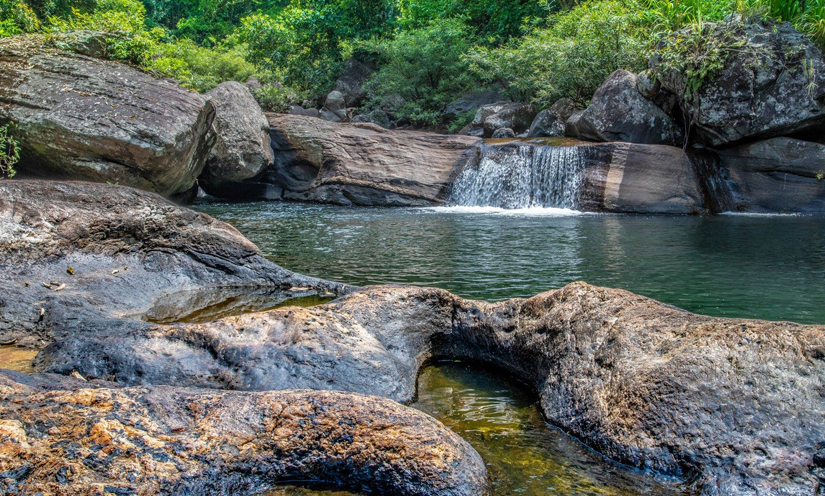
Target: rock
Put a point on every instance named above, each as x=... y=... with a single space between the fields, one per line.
x=516 y=116
x=471 y=102
x=174 y=441
x=763 y=89
x=242 y=150
x=361 y=163
x=619 y=112
x=551 y=122
x=128 y=250
x=336 y=104
x=330 y=116
x=83 y=118
x=351 y=82
x=377 y=117
x=306 y=112
x=735 y=404
x=504 y=132
x=485 y=111
x=776 y=175
x=84 y=42
x=253 y=84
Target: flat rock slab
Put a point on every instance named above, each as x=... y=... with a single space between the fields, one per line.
x=363 y=164
x=147 y=441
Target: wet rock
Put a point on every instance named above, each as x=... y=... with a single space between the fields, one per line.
x=176 y=441
x=551 y=122
x=242 y=150
x=351 y=83
x=763 y=89
x=84 y=118
x=776 y=175
x=734 y=403
x=619 y=112
x=116 y=251
x=361 y=163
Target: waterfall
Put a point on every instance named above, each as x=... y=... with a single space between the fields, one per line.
x=522 y=175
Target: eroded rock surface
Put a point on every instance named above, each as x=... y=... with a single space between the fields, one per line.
x=735 y=403
x=361 y=163
x=65 y=439
x=75 y=254
x=84 y=118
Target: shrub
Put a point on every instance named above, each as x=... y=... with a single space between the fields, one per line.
x=276 y=97
x=9 y=152
x=17 y=17
x=422 y=71
x=201 y=68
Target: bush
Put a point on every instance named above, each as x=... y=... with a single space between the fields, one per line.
x=421 y=71
x=276 y=98
x=570 y=58
x=17 y=17
x=201 y=68
x=9 y=153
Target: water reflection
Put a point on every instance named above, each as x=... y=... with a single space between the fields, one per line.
x=18 y=359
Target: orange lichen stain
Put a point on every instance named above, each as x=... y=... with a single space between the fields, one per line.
x=17 y=359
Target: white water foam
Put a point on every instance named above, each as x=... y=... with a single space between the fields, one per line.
x=530 y=211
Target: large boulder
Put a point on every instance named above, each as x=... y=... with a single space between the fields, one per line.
x=242 y=150
x=551 y=122
x=735 y=405
x=335 y=107
x=377 y=117
x=361 y=163
x=775 y=175
x=619 y=112
x=351 y=83
x=84 y=118
x=766 y=86
x=515 y=116
x=77 y=255
x=471 y=102
x=103 y=439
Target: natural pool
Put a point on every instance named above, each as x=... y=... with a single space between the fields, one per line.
x=768 y=267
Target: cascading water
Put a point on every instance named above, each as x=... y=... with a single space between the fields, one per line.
x=522 y=175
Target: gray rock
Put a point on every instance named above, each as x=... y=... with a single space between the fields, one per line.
x=471 y=102
x=307 y=112
x=337 y=104
x=516 y=116
x=182 y=441
x=362 y=163
x=377 y=117
x=242 y=150
x=504 y=132
x=619 y=112
x=486 y=111
x=330 y=116
x=84 y=118
x=776 y=175
x=351 y=83
x=734 y=404
x=763 y=89
x=551 y=122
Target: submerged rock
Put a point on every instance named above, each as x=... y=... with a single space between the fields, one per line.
x=619 y=112
x=763 y=89
x=76 y=255
x=361 y=163
x=84 y=118
x=70 y=440
x=734 y=403
x=242 y=150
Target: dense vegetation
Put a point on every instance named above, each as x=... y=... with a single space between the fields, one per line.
x=427 y=52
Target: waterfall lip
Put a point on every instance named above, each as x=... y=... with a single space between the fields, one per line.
x=527 y=212
x=730 y=213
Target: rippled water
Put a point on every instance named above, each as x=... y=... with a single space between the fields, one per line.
x=770 y=267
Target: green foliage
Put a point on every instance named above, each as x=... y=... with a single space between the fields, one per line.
x=201 y=68
x=571 y=57
x=9 y=152
x=490 y=21
x=276 y=97
x=424 y=67
x=17 y=17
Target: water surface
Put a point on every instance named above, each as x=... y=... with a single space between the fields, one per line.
x=767 y=267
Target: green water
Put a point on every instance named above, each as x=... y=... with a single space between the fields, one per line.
x=730 y=266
